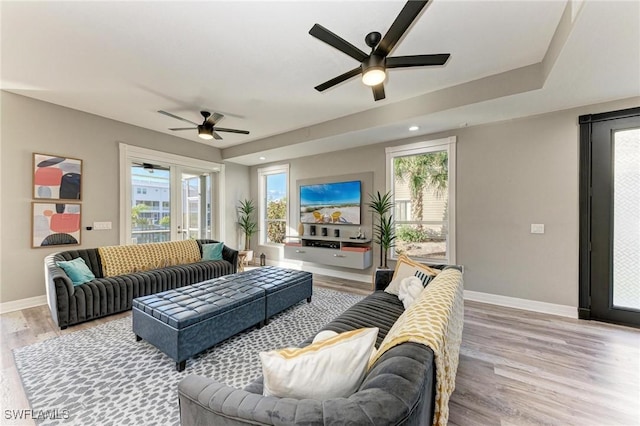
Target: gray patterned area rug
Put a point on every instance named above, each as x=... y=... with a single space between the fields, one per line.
x=102 y=376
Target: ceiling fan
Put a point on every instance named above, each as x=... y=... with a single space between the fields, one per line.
x=374 y=65
x=208 y=128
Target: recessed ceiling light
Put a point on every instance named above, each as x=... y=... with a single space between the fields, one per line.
x=413 y=128
x=262 y=158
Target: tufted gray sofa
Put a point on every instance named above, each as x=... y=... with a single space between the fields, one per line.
x=104 y=296
x=399 y=389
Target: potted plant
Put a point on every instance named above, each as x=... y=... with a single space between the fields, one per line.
x=384 y=229
x=247 y=223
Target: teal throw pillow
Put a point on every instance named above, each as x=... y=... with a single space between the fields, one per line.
x=212 y=251
x=77 y=270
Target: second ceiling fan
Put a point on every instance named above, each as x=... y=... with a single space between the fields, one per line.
x=208 y=128
x=374 y=65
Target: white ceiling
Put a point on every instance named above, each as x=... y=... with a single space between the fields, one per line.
x=256 y=63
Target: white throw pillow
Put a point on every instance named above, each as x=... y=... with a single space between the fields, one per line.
x=405 y=267
x=324 y=335
x=330 y=368
x=410 y=289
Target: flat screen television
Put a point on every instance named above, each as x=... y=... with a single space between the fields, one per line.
x=337 y=203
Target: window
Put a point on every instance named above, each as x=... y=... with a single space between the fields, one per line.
x=167 y=197
x=421 y=177
x=274 y=212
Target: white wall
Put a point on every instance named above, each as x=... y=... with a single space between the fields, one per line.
x=30 y=126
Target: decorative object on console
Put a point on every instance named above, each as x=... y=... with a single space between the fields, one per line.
x=56 y=177
x=336 y=232
x=55 y=224
x=312 y=230
x=324 y=232
x=384 y=233
x=300 y=229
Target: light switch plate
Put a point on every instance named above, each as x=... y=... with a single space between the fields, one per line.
x=101 y=226
x=537 y=228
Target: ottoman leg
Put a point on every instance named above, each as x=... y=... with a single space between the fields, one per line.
x=180 y=366
x=138 y=338
x=309 y=299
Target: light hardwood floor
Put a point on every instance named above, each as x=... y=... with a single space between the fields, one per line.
x=516 y=367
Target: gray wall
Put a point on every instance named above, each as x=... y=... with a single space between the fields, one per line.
x=31 y=126
x=509 y=175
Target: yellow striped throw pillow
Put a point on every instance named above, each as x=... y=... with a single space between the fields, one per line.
x=330 y=368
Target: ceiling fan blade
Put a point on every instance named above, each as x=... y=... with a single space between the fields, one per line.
x=176 y=117
x=323 y=34
x=183 y=128
x=417 y=60
x=378 y=92
x=221 y=129
x=405 y=18
x=215 y=117
x=339 y=79
x=216 y=135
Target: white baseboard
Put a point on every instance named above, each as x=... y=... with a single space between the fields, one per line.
x=16 y=305
x=294 y=264
x=526 y=304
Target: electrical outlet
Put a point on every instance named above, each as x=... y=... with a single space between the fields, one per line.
x=101 y=226
x=537 y=228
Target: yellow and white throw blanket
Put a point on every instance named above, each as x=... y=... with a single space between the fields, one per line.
x=435 y=320
x=119 y=260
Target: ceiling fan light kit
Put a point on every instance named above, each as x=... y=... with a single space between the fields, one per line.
x=207 y=130
x=373 y=70
x=374 y=65
x=204 y=133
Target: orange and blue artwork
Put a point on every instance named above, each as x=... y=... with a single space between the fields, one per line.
x=55 y=224
x=56 y=178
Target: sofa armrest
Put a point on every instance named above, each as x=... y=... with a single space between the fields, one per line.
x=56 y=277
x=399 y=386
x=382 y=278
x=228 y=254
x=231 y=256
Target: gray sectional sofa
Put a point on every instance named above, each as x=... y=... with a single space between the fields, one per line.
x=104 y=296
x=399 y=389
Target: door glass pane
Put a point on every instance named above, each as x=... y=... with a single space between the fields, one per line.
x=626 y=219
x=421 y=197
x=196 y=205
x=150 y=203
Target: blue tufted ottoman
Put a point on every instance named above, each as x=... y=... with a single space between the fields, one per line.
x=283 y=287
x=188 y=320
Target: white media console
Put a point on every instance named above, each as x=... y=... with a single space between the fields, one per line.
x=334 y=251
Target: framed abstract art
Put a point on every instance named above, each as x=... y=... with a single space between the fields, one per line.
x=55 y=224
x=56 y=178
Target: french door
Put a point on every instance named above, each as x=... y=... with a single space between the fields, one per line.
x=610 y=217
x=168 y=198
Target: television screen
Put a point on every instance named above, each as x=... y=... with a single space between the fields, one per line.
x=337 y=202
